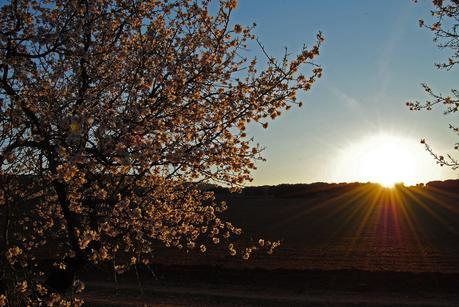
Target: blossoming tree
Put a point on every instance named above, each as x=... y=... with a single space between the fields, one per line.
x=112 y=112
x=446 y=36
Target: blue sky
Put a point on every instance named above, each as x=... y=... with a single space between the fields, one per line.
x=375 y=57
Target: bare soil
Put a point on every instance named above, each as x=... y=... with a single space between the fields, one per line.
x=342 y=245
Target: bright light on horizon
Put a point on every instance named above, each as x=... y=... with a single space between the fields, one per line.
x=385 y=159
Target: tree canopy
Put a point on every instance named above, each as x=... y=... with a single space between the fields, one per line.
x=116 y=111
x=445 y=30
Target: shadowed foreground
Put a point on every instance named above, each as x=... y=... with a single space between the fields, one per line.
x=346 y=226
x=342 y=245
x=197 y=286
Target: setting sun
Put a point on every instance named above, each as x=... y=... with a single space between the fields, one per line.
x=387 y=161
x=383 y=158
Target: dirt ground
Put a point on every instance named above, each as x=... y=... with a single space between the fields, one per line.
x=171 y=295
x=212 y=286
x=341 y=246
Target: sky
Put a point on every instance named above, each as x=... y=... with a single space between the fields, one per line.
x=375 y=58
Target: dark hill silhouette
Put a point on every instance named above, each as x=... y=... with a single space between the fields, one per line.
x=450 y=185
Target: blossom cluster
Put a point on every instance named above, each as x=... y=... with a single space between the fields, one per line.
x=118 y=111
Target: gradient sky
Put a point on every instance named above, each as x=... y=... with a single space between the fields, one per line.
x=375 y=57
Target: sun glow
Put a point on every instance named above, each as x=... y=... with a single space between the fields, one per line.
x=387 y=162
x=383 y=159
